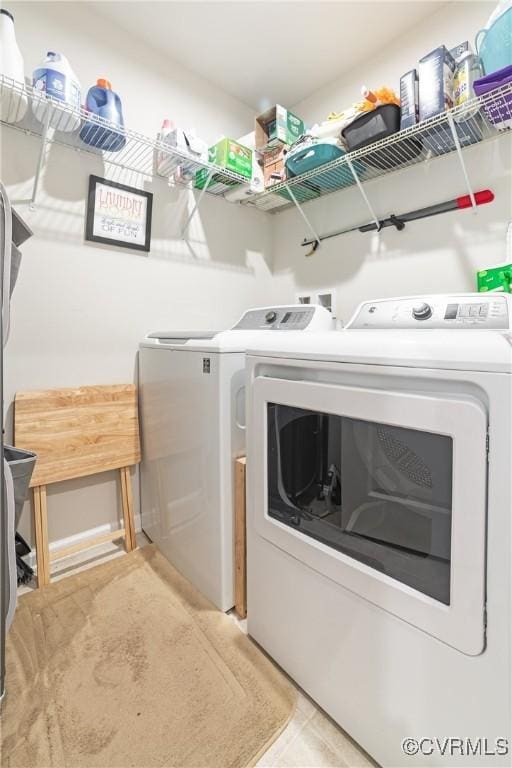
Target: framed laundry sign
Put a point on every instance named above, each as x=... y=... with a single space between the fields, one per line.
x=118 y=215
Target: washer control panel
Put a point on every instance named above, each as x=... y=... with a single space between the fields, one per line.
x=443 y=312
x=292 y=318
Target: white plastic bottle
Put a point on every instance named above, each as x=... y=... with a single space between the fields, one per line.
x=13 y=96
x=55 y=79
x=166 y=163
x=189 y=143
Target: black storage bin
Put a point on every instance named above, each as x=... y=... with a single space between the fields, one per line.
x=376 y=125
x=372 y=126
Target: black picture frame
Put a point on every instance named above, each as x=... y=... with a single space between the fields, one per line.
x=106 y=239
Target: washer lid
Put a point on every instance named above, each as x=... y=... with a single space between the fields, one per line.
x=254 y=325
x=181 y=335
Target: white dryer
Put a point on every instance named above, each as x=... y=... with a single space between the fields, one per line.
x=192 y=409
x=380 y=527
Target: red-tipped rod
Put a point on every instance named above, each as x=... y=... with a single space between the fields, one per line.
x=481 y=198
x=485 y=196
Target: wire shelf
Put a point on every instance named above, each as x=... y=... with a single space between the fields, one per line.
x=478 y=120
x=25 y=109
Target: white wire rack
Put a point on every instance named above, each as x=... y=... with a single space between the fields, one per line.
x=24 y=109
x=480 y=119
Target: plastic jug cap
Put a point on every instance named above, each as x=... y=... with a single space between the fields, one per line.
x=168 y=124
x=102 y=83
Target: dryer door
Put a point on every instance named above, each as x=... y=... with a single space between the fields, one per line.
x=381 y=491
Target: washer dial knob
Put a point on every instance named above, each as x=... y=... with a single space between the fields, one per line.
x=422 y=311
x=270 y=317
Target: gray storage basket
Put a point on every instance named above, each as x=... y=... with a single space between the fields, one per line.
x=22 y=465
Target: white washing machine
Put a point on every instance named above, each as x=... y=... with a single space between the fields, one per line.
x=192 y=409
x=379 y=524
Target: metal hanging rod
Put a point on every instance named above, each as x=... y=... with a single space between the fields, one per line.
x=399 y=222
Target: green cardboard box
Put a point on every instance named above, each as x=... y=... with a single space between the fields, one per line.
x=277 y=126
x=495 y=279
x=227 y=154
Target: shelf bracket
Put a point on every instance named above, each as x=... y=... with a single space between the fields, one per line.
x=31 y=201
x=316 y=237
x=197 y=204
x=363 y=193
x=455 y=137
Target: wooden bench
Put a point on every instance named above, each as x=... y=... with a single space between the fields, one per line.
x=77 y=432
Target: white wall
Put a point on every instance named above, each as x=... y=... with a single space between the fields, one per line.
x=435 y=255
x=79 y=310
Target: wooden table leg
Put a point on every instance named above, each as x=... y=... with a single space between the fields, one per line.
x=41 y=531
x=240 y=540
x=127 y=503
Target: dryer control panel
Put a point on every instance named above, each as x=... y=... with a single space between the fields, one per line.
x=464 y=311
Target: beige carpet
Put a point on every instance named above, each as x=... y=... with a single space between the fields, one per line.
x=126 y=664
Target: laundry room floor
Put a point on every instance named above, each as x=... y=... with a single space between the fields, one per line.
x=310 y=740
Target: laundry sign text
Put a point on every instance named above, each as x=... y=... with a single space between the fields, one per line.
x=118 y=215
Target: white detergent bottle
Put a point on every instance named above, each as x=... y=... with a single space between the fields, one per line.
x=13 y=96
x=189 y=143
x=166 y=163
x=55 y=79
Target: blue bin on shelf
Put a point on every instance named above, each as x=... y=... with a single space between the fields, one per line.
x=494 y=45
x=313 y=156
x=103 y=102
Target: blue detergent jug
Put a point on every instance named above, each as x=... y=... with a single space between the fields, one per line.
x=103 y=101
x=494 y=43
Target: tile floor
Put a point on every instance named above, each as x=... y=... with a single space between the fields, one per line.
x=310 y=740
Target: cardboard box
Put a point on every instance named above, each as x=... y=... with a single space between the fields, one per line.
x=436 y=82
x=409 y=105
x=227 y=154
x=274 y=166
x=277 y=126
x=495 y=279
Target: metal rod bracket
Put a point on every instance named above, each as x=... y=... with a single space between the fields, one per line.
x=196 y=204
x=307 y=221
x=363 y=193
x=40 y=160
x=455 y=137
x=31 y=201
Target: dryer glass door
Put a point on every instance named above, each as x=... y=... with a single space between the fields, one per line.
x=383 y=492
x=379 y=493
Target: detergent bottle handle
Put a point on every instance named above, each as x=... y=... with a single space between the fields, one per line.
x=477 y=38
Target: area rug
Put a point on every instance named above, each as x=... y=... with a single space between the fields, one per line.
x=126 y=664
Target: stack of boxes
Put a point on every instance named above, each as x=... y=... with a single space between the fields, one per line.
x=440 y=82
x=275 y=131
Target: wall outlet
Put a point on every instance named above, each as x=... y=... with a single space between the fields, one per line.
x=304 y=299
